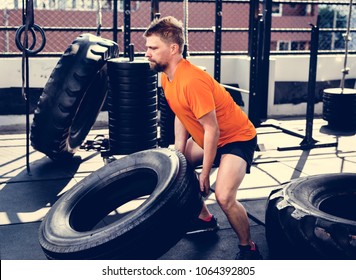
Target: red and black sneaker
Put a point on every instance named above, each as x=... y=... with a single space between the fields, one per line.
x=199 y=226
x=248 y=252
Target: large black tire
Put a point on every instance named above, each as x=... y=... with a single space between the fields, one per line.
x=73 y=97
x=72 y=228
x=313 y=218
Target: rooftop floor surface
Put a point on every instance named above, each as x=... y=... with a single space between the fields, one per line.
x=26 y=198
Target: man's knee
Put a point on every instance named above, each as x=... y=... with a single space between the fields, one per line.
x=193 y=153
x=225 y=200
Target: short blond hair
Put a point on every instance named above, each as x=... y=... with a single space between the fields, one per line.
x=169 y=29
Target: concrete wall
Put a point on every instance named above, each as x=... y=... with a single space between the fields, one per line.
x=296 y=68
x=282 y=69
x=11 y=71
x=235 y=70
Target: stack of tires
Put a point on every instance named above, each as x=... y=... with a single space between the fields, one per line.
x=132 y=106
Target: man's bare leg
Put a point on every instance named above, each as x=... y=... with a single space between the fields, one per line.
x=231 y=172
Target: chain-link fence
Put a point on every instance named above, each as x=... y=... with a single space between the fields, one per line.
x=64 y=20
x=291 y=20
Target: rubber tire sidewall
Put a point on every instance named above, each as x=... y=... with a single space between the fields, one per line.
x=145 y=233
x=297 y=229
x=77 y=86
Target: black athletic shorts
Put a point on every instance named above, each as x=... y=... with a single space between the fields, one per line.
x=242 y=149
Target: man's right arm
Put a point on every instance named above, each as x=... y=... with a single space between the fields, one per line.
x=180 y=135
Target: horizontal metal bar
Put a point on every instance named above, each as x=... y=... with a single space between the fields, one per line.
x=206 y=53
x=236 y=88
x=307 y=30
x=192 y=29
x=307 y=52
x=41 y=54
x=312 y=2
x=63 y=29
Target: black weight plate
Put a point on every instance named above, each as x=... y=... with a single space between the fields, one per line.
x=130 y=72
x=115 y=86
x=136 y=79
x=123 y=64
x=132 y=95
x=135 y=101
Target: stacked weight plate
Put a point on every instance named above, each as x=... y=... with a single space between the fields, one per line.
x=166 y=121
x=132 y=106
x=339 y=108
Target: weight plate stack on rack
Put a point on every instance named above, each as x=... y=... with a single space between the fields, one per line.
x=132 y=106
x=166 y=121
x=339 y=108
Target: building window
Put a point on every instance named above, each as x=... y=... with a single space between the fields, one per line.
x=51 y=4
x=299 y=46
x=292 y=46
x=309 y=10
x=276 y=9
x=8 y=5
x=283 y=46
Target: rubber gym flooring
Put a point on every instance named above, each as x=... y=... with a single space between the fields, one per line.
x=26 y=198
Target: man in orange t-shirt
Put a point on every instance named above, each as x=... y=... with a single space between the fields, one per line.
x=209 y=128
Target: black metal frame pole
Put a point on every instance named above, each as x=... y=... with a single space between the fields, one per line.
x=259 y=51
x=115 y=25
x=264 y=58
x=308 y=139
x=27 y=99
x=257 y=103
x=308 y=142
x=185 y=26
x=28 y=21
x=127 y=27
x=154 y=9
x=254 y=45
x=253 y=15
x=218 y=36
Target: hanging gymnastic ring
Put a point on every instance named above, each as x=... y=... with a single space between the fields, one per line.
x=33 y=29
x=18 y=38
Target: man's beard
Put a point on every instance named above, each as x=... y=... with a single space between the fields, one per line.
x=158 y=67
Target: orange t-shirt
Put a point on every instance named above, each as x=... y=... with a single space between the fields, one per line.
x=194 y=93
